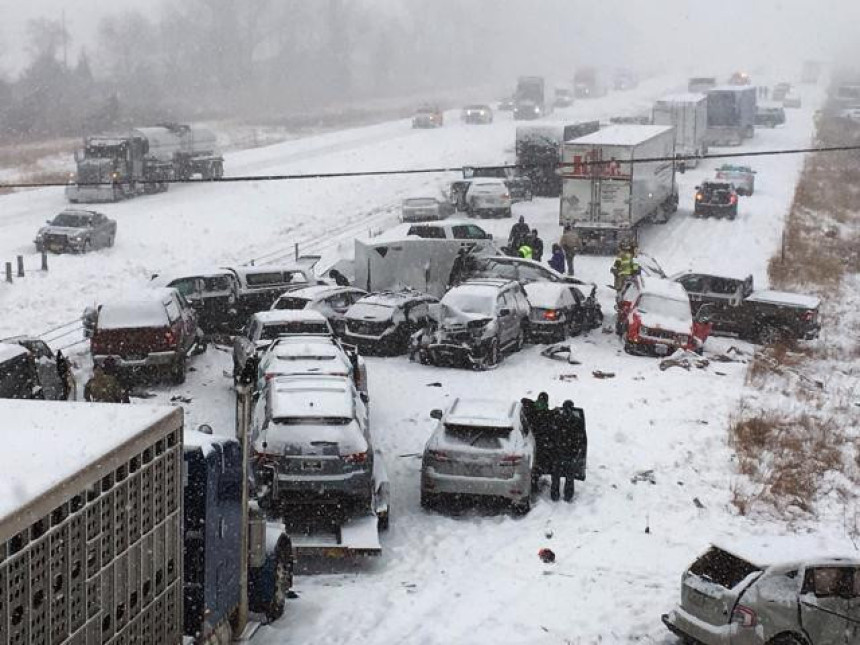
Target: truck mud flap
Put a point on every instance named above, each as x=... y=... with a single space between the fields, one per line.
x=357 y=536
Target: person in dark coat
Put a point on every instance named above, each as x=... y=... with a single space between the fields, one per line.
x=556 y=261
x=537 y=246
x=458 y=269
x=339 y=279
x=542 y=428
x=519 y=234
x=67 y=379
x=104 y=386
x=570 y=449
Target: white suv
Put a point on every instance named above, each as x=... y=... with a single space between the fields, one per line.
x=488 y=197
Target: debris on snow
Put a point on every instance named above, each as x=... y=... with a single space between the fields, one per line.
x=180 y=399
x=557 y=352
x=567 y=377
x=698 y=503
x=601 y=374
x=685 y=359
x=546 y=555
x=644 y=476
x=435 y=384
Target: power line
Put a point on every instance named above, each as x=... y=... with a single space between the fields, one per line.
x=443 y=170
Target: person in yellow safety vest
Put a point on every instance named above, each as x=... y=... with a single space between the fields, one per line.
x=525 y=251
x=625 y=265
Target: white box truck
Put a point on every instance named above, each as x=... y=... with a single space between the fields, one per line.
x=688 y=114
x=614 y=180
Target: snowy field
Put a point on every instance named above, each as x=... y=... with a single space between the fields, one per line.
x=472 y=578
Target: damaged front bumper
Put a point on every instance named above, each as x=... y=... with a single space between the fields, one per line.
x=457 y=353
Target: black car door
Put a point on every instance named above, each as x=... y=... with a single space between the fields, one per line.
x=695 y=285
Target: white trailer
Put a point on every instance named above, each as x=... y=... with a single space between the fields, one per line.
x=688 y=114
x=614 y=180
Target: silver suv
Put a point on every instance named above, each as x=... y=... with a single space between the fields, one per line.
x=753 y=595
x=476 y=321
x=481 y=447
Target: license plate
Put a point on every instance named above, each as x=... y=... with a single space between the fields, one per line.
x=312 y=465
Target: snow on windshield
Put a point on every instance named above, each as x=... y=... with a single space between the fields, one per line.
x=371 y=310
x=129 y=315
x=72 y=220
x=677 y=309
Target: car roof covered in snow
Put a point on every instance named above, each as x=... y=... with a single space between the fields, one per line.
x=547 y=295
x=783 y=297
x=194 y=439
x=201 y=272
x=495 y=413
x=49 y=444
x=392 y=298
x=278 y=316
x=316 y=291
x=622 y=135
x=9 y=350
x=764 y=551
x=481 y=286
x=653 y=285
x=684 y=97
x=244 y=271
x=311 y=396
x=146 y=309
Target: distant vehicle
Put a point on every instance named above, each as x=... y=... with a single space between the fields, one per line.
x=847 y=95
x=519 y=185
x=266 y=326
x=382 y=323
x=77 y=231
x=480 y=447
x=118 y=166
x=636 y=119
x=769 y=117
x=563 y=97
x=261 y=285
x=538 y=150
x=213 y=293
x=780 y=90
x=530 y=90
x=312 y=442
x=743 y=177
x=771 y=594
x=477 y=114
x=506 y=105
x=739 y=78
x=478 y=320
x=731 y=115
x=737 y=308
x=449 y=230
x=559 y=310
x=589 y=83
x=331 y=301
x=28 y=370
x=716 y=199
x=155 y=331
x=688 y=114
x=526 y=110
x=605 y=196
x=488 y=197
x=425 y=209
x=792 y=101
x=654 y=317
x=701 y=84
x=428 y=116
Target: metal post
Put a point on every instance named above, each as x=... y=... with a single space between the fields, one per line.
x=243 y=415
x=782 y=252
x=20 y=266
x=9 y=272
x=297 y=251
x=44 y=261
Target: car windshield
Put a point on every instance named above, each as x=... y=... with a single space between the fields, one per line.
x=72 y=220
x=371 y=310
x=312 y=421
x=471 y=301
x=270 y=332
x=486 y=437
x=475 y=108
x=294 y=303
x=216 y=283
x=662 y=306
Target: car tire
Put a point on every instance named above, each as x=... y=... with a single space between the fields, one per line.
x=787 y=639
x=429 y=500
x=522 y=507
x=111 y=241
x=494 y=355
x=509 y=213
x=283 y=582
x=630 y=348
x=87 y=247
x=520 y=342
x=383 y=521
x=177 y=371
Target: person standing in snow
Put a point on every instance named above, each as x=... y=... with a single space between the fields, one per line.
x=104 y=386
x=625 y=266
x=525 y=251
x=339 y=279
x=537 y=245
x=67 y=379
x=541 y=418
x=570 y=449
x=519 y=234
x=570 y=246
x=556 y=260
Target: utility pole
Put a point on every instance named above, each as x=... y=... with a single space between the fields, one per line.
x=65 y=40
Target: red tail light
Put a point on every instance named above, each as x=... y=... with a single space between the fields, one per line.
x=550 y=314
x=733 y=199
x=169 y=337
x=356 y=458
x=744 y=616
x=510 y=460
x=699 y=197
x=438 y=455
x=808 y=315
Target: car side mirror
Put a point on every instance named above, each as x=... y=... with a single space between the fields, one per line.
x=698 y=188
x=436 y=414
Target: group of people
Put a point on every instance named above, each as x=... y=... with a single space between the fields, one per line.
x=526 y=243
x=561 y=443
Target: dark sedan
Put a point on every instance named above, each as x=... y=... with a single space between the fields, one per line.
x=78 y=231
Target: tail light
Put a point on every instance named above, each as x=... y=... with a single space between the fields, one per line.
x=438 y=455
x=744 y=616
x=356 y=458
x=808 y=315
x=510 y=460
x=733 y=199
x=699 y=197
x=550 y=314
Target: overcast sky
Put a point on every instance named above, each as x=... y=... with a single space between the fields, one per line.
x=698 y=33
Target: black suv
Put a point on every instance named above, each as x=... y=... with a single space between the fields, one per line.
x=382 y=323
x=213 y=294
x=717 y=199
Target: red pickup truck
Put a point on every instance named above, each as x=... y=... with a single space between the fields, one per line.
x=155 y=331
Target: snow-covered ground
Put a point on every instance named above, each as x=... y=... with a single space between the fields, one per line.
x=472 y=578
